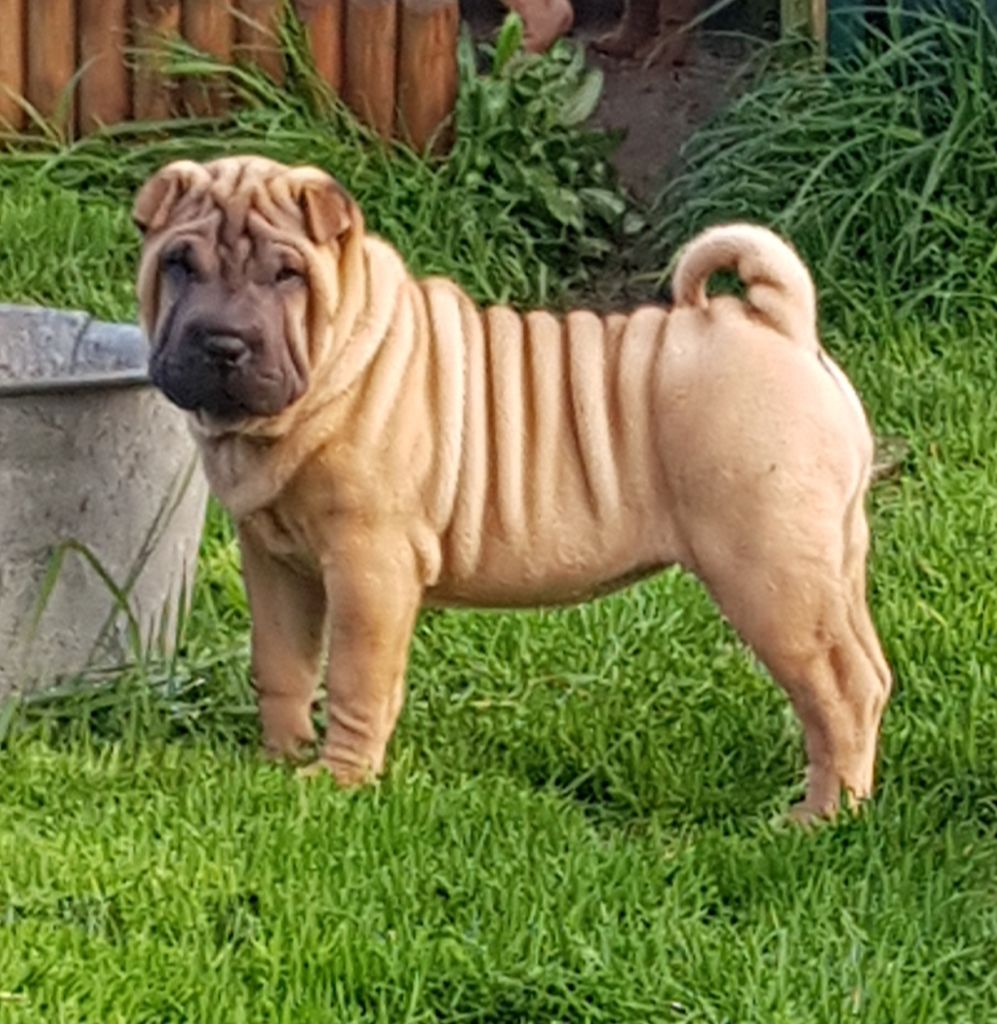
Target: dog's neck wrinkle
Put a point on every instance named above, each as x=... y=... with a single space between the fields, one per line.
x=367 y=327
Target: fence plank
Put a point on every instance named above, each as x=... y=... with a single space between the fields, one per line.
x=207 y=25
x=371 y=56
x=256 y=35
x=12 y=65
x=427 y=69
x=153 y=21
x=104 y=87
x=51 y=57
x=818 y=25
x=808 y=18
x=393 y=61
x=324 y=20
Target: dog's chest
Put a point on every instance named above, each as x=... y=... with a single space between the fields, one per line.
x=282 y=536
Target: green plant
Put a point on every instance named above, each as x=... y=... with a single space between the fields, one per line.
x=521 y=136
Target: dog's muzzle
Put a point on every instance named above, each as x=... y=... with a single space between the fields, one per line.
x=222 y=372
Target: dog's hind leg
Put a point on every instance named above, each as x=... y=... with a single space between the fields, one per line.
x=800 y=604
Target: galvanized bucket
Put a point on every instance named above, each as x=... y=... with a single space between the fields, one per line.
x=102 y=501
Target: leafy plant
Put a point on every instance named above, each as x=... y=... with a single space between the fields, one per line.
x=520 y=136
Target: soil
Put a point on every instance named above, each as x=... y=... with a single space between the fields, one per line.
x=658 y=106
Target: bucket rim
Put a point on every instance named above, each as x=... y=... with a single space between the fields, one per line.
x=68 y=383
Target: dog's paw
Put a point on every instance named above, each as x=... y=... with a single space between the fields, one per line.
x=288 y=731
x=293 y=746
x=808 y=814
x=346 y=773
x=295 y=753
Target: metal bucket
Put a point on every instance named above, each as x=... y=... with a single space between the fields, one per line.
x=102 y=501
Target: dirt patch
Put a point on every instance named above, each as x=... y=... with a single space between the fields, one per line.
x=660 y=107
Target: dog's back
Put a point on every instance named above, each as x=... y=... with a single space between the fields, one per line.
x=561 y=471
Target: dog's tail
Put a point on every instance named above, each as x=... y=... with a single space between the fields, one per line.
x=780 y=290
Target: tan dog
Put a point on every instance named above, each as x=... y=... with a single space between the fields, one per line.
x=654 y=29
x=383 y=443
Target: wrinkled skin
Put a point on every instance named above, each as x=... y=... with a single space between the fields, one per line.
x=229 y=325
x=223 y=347
x=384 y=444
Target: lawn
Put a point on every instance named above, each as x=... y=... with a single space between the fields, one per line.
x=581 y=819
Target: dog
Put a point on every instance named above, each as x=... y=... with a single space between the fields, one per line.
x=653 y=29
x=383 y=443
x=544 y=21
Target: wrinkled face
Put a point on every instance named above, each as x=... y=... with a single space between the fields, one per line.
x=238 y=259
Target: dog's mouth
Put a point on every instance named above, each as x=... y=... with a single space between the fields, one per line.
x=225 y=392
x=193 y=389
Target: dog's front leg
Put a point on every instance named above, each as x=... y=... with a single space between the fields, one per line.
x=374 y=592
x=288 y=612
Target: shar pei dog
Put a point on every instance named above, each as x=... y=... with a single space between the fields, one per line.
x=384 y=443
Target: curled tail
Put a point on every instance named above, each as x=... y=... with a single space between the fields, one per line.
x=779 y=287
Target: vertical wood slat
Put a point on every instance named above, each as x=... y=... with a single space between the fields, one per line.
x=427 y=69
x=808 y=18
x=51 y=56
x=104 y=87
x=13 y=72
x=207 y=25
x=371 y=57
x=324 y=21
x=256 y=35
x=152 y=21
x=376 y=53
x=818 y=26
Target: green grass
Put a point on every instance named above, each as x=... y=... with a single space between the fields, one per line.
x=581 y=817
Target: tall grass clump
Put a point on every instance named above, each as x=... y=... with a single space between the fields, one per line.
x=883 y=170
x=520 y=209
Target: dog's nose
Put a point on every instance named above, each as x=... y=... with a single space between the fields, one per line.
x=228 y=349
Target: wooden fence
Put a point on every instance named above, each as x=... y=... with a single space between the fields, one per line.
x=394 y=62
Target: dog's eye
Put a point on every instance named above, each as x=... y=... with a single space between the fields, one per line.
x=289 y=273
x=177 y=263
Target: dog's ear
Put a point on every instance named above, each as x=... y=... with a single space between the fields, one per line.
x=328 y=209
x=157 y=198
